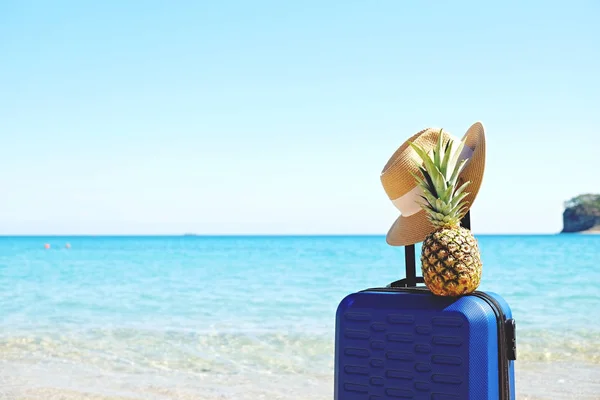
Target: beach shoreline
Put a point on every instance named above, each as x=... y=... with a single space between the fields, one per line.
x=534 y=381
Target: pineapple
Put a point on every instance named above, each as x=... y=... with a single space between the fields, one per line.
x=450 y=259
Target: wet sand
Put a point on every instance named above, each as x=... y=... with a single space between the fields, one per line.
x=534 y=381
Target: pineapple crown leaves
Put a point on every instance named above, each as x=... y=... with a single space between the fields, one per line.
x=443 y=201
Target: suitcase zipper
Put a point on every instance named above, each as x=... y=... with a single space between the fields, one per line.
x=501 y=322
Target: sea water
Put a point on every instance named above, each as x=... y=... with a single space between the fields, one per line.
x=253 y=317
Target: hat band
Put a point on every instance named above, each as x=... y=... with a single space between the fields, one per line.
x=410 y=203
x=407 y=203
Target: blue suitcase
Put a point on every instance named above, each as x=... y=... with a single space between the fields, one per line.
x=402 y=342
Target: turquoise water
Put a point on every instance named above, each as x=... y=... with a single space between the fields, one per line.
x=253 y=317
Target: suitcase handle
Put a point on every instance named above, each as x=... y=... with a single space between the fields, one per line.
x=409 y=259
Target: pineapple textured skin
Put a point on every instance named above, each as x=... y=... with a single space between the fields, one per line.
x=450 y=262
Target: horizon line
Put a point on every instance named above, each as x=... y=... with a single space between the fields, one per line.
x=225 y=235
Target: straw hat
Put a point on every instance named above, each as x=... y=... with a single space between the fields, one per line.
x=412 y=226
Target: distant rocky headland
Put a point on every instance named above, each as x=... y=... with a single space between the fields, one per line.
x=582 y=214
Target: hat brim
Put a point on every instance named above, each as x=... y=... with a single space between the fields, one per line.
x=415 y=228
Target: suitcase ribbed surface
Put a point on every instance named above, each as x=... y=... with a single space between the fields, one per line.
x=403 y=355
x=392 y=347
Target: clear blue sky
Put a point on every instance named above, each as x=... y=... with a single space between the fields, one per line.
x=277 y=117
